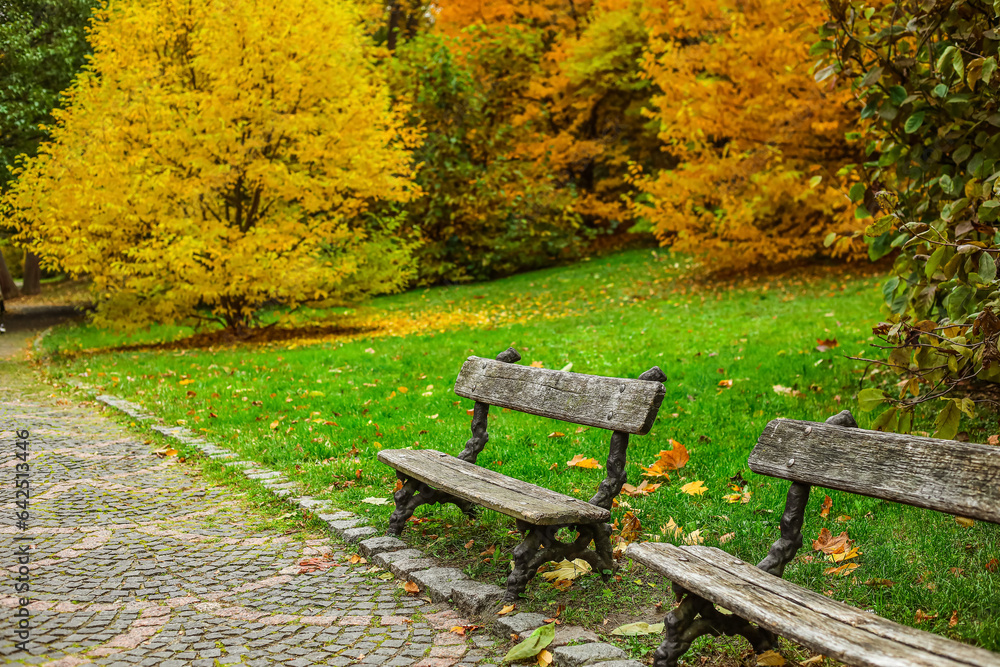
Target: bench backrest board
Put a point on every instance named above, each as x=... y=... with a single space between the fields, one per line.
x=954 y=477
x=592 y=400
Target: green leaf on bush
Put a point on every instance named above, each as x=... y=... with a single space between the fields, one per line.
x=829 y=239
x=533 y=645
x=914 y=122
x=934 y=261
x=640 y=628
x=989 y=67
x=940 y=90
x=880 y=226
x=887 y=421
x=947 y=421
x=897 y=94
x=962 y=154
x=857 y=192
x=987 y=268
x=871 y=398
x=989 y=211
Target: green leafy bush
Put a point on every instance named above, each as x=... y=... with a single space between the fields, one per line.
x=925 y=76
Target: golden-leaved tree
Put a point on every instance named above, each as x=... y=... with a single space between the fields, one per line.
x=760 y=144
x=216 y=156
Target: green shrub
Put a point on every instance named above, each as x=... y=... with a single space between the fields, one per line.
x=925 y=77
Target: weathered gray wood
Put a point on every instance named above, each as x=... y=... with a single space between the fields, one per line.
x=826 y=626
x=512 y=497
x=955 y=477
x=612 y=403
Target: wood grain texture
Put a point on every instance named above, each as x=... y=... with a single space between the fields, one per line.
x=955 y=477
x=593 y=400
x=509 y=496
x=826 y=626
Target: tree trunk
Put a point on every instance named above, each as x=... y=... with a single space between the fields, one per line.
x=7 y=286
x=32 y=282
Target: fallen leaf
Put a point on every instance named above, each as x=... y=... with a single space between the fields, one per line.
x=671 y=528
x=568 y=570
x=640 y=628
x=993 y=564
x=770 y=659
x=458 y=630
x=920 y=616
x=964 y=522
x=544 y=658
x=411 y=588
x=533 y=645
x=507 y=608
x=725 y=384
x=725 y=538
x=787 y=391
x=537 y=364
x=644 y=489
x=557 y=434
x=670 y=459
x=631 y=528
x=843 y=518
x=356 y=559
x=489 y=551
x=841 y=556
x=879 y=582
x=694 y=537
x=826 y=344
x=184 y=382
x=376 y=501
x=579 y=461
x=829 y=544
x=824 y=510
x=815 y=660
x=842 y=570
x=468 y=545
x=433 y=416
x=696 y=488
x=953 y=621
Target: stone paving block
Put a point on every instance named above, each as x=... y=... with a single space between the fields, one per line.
x=587 y=654
x=438 y=582
x=384 y=558
x=566 y=634
x=405 y=568
x=352 y=535
x=343 y=524
x=523 y=623
x=474 y=597
x=377 y=545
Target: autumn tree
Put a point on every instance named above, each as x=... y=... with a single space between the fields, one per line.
x=217 y=156
x=760 y=145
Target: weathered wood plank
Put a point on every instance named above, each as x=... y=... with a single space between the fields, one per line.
x=954 y=477
x=509 y=496
x=612 y=403
x=813 y=620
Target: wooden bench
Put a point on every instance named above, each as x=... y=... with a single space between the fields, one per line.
x=624 y=406
x=953 y=477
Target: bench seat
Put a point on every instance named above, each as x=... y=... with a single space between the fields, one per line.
x=521 y=500
x=815 y=621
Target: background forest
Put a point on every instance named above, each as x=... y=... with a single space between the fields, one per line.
x=206 y=163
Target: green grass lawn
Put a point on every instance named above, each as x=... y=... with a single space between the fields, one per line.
x=320 y=409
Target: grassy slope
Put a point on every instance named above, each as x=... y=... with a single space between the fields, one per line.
x=615 y=316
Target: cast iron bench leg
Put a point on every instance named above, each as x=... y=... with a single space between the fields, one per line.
x=414 y=494
x=529 y=555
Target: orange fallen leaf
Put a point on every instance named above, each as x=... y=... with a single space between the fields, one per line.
x=411 y=588
x=557 y=434
x=402 y=390
x=953 y=621
x=580 y=461
x=458 y=630
x=670 y=459
x=826 y=344
x=725 y=538
x=544 y=658
x=843 y=570
x=829 y=544
x=695 y=488
x=468 y=545
x=631 y=528
x=507 y=608
x=489 y=551
x=644 y=489
x=184 y=382
x=824 y=510
x=725 y=384
x=843 y=518
x=992 y=564
x=356 y=559
x=920 y=616
x=537 y=364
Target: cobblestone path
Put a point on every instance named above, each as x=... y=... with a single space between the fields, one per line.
x=135 y=561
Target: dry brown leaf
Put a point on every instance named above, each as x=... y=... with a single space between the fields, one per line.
x=468 y=545
x=843 y=570
x=489 y=551
x=829 y=544
x=411 y=588
x=557 y=434
x=953 y=621
x=992 y=564
x=726 y=384
x=770 y=659
x=964 y=522
x=631 y=528
x=458 y=630
x=879 y=582
x=725 y=538
x=920 y=616
x=580 y=461
x=507 y=608
x=824 y=510
x=356 y=559
x=815 y=660
x=644 y=489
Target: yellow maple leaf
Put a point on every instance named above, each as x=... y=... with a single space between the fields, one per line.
x=579 y=461
x=696 y=488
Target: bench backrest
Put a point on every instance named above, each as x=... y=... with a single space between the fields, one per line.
x=954 y=477
x=617 y=404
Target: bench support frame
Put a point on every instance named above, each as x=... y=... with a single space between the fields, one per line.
x=696 y=616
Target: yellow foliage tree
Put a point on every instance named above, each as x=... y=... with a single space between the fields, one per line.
x=760 y=144
x=215 y=156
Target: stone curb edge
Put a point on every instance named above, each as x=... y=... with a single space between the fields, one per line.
x=441 y=584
